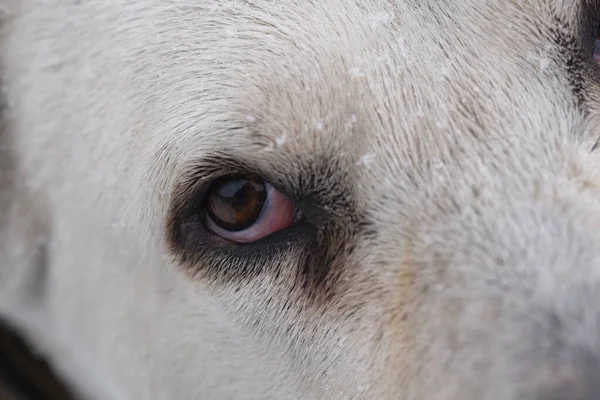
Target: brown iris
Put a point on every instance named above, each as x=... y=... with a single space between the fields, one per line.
x=236 y=204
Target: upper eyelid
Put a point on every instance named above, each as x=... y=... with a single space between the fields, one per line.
x=199 y=176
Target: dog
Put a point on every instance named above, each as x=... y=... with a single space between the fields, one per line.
x=342 y=199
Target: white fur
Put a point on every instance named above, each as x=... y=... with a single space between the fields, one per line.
x=456 y=121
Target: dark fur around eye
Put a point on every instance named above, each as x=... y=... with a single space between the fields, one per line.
x=196 y=247
x=318 y=243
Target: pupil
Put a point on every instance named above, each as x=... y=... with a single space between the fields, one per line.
x=236 y=204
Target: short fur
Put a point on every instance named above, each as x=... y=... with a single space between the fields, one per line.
x=442 y=151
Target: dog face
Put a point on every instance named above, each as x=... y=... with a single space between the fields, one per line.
x=426 y=170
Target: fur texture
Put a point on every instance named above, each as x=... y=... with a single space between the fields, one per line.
x=442 y=153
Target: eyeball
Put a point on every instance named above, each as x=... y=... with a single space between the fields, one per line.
x=246 y=209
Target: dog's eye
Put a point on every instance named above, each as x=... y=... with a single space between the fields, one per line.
x=246 y=209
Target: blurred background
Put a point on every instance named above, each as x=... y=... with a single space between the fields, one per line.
x=23 y=374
